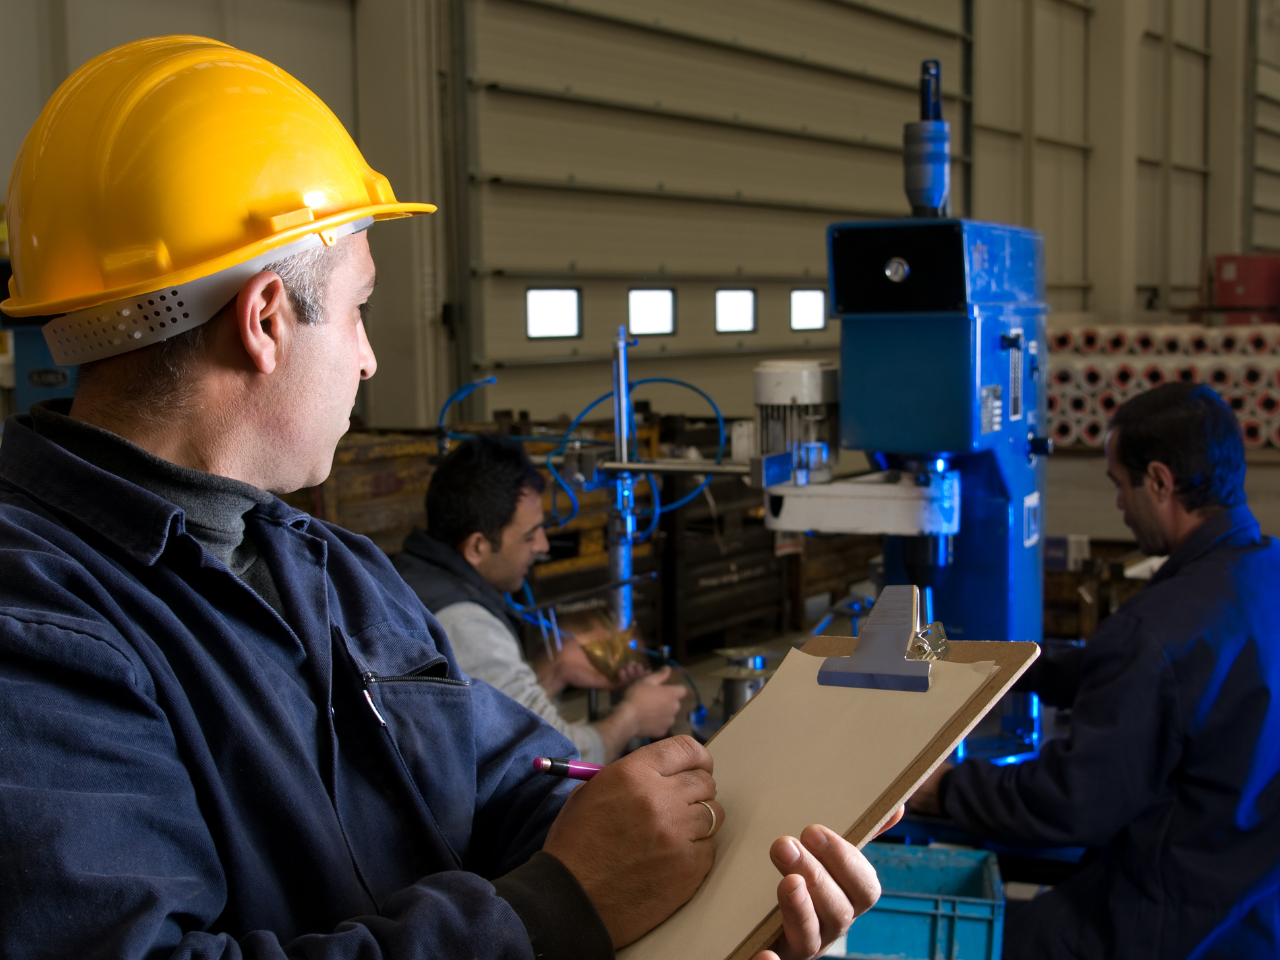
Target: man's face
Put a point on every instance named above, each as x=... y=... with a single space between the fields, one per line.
x=522 y=540
x=1137 y=503
x=326 y=363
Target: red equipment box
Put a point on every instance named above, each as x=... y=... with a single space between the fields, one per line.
x=1246 y=280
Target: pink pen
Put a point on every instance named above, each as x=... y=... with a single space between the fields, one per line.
x=573 y=769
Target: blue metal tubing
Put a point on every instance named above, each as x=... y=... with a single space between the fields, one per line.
x=537 y=619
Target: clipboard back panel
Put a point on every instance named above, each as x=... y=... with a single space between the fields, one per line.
x=1011 y=659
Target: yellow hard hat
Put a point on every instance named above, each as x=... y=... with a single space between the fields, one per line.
x=159 y=177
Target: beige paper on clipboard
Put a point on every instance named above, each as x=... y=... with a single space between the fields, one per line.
x=802 y=753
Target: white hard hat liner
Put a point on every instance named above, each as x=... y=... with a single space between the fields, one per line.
x=110 y=329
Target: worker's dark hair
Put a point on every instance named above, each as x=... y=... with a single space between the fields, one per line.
x=1192 y=431
x=476 y=488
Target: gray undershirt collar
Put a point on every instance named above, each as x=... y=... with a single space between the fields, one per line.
x=215 y=506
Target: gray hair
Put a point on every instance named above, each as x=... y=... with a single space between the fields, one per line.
x=306 y=280
x=157 y=378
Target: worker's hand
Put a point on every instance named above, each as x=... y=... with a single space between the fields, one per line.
x=636 y=835
x=629 y=673
x=925 y=800
x=654 y=703
x=569 y=668
x=648 y=710
x=826 y=883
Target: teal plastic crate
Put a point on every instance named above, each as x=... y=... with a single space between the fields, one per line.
x=935 y=905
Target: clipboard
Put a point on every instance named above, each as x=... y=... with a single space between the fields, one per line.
x=1012 y=660
x=840 y=763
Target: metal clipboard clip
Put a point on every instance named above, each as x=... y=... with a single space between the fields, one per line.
x=894 y=648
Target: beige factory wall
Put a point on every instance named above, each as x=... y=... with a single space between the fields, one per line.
x=1121 y=141
x=44 y=40
x=1173 y=72
x=373 y=63
x=608 y=145
x=1031 y=149
x=1168 y=109
x=614 y=145
x=1264 y=209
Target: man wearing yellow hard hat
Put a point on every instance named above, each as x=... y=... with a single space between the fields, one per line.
x=228 y=729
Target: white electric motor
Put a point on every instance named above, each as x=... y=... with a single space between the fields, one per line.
x=797 y=411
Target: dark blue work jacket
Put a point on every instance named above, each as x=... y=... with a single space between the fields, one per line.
x=1170 y=771
x=185 y=773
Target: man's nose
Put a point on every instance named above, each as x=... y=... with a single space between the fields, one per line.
x=368 y=362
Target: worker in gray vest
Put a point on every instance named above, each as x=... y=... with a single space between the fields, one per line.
x=484 y=529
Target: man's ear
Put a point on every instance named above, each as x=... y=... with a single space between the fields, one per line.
x=475 y=548
x=263 y=320
x=1159 y=482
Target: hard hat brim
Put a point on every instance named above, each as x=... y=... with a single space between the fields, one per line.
x=17 y=307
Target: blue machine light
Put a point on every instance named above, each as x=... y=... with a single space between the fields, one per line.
x=1012 y=760
x=940 y=465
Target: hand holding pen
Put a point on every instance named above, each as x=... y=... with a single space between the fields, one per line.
x=570 y=769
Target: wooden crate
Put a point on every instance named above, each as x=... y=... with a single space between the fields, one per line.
x=1075 y=602
x=831 y=565
x=377 y=486
x=587 y=533
x=723 y=585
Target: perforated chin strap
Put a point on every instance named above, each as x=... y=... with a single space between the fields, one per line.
x=110 y=329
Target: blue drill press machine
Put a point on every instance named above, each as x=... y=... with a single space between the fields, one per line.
x=942 y=383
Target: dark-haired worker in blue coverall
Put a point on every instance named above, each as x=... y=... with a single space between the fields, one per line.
x=1170 y=772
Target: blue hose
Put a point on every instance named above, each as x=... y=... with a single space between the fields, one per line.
x=688 y=679
x=658 y=509
x=535 y=618
x=461 y=394
x=719 y=452
x=564 y=442
x=702 y=393
x=573 y=500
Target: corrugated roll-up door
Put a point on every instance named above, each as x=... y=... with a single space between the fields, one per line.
x=312 y=39
x=1173 y=64
x=375 y=64
x=1264 y=213
x=1031 y=149
x=613 y=146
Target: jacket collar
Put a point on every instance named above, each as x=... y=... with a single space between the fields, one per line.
x=438 y=553
x=1234 y=525
x=135 y=520
x=456 y=570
